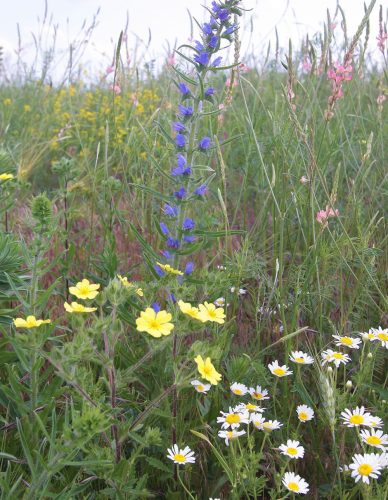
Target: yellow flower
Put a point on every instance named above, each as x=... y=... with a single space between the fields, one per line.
x=7 y=102
x=6 y=177
x=207 y=370
x=209 y=312
x=129 y=284
x=154 y=323
x=27 y=108
x=168 y=269
x=75 y=307
x=29 y=322
x=188 y=309
x=84 y=290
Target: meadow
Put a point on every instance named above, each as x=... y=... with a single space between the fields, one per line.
x=193 y=272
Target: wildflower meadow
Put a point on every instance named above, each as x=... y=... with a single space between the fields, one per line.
x=193 y=270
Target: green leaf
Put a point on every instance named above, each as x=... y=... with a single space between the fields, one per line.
x=158 y=464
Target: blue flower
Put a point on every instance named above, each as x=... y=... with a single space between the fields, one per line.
x=216 y=62
x=185 y=110
x=178 y=127
x=188 y=224
x=229 y=30
x=166 y=254
x=170 y=210
x=180 y=140
x=164 y=228
x=184 y=89
x=172 y=243
x=159 y=271
x=202 y=58
x=216 y=7
x=180 y=194
x=189 y=238
x=204 y=143
x=201 y=190
x=181 y=168
x=207 y=28
x=172 y=297
x=212 y=43
x=223 y=15
x=156 y=307
x=189 y=267
x=209 y=91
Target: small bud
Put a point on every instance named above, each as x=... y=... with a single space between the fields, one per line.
x=370 y=355
x=329 y=369
x=349 y=384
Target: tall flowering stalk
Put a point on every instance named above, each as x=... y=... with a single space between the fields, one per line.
x=197 y=100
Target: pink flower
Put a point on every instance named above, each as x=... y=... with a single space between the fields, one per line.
x=333 y=26
x=306 y=65
x=381 y=99
x=244 y=68
x=381 y=39
x=228 y=83
x=116 y=88
x=323 y=215
x=303 y=180
x=109 y=70
x=170 y=60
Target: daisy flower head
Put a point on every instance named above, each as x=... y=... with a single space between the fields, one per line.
x=154 y=323
x=279 y=371
x=181 y=456
x=229 y=435
x=375 y=422
x=200 y=386
x=365 y=466
x=356 y=417
x=258 y=393
x=305 y=413
x=207 y=370
x=75 y=307
x=29 y=322
x=85 y=290
x=209 y=312
x=346 y=341
x=301 y=358
x=293 y=482
x=188 y=309
x=367 y=335
x=239 y=389
x=271 y=425
x=292 y=449
x=330 y=356
x=381 y=334
x=257 y=420
x=251 y=407
x=233 y=418
x=375 y=438
x=220 y=302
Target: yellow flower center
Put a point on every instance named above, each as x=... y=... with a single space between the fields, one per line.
x=233 y=418
x=212 y=314
x=153 y=323
x=230 y=434
x=346 y=340
x=292 y=451
x=338 y=355
x=178 y=457
x=279 y=372
x=31 y=323
x=207 y=370
x=356 y=419
x=258 y=395
x=238 y=392
x=299 y=360
x=250 y=407
x=267 y=426
x=365 y=469
x=293 y=486
x=200 y=387
x=303 y=416
x=373 y=440
x=383 y=336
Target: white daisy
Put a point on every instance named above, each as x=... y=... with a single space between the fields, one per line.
x=220 y=302
x=279 y=371
x=375 y=438
x=293 y=482
x=367 y=335
x=200 y=386
x=381 y=334
x=250 y=407
x=258 y=393
x=365 y=466
x=356 y=417
x=239 y=389
x=292 y=449
x=375 y=422
x=257 y=420
x=181 y=456
x=233 y=419
x=305 y=413
x=301 y=358
x=330 y=356
x=383 y=460
x=351 y=342
x=228 y=435
x=242 y=291
x=271 y=425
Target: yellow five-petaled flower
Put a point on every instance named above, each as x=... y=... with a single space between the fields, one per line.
x=6 y=177
x=129 y=284
x=29 y=322
x=207 y=370
x=209 y=312
x=84 y=290
x=75 y=307
x=154 y=323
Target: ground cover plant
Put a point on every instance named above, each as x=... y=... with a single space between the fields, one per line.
x=193 y=273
